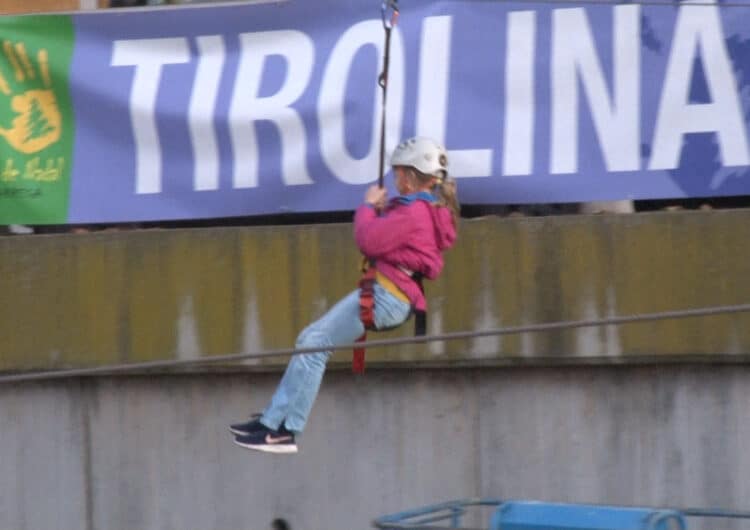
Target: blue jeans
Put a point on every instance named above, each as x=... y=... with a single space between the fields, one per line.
x=294 y=397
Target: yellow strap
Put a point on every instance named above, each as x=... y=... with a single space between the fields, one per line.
x=391 y=287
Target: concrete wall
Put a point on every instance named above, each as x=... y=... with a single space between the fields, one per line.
x=154 y=452
x=109 y=297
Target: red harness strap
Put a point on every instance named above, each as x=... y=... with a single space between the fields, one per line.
x=366 y=315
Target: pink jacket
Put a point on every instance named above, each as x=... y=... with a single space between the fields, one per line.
x=411 y=234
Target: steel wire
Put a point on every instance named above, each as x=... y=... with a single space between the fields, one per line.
x=379 y=343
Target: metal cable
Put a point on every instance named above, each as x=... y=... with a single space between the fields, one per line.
x=442 y=337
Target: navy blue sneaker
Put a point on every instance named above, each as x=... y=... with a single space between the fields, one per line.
x=268 y=441
x=249 y=427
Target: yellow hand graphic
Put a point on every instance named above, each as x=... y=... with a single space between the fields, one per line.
x=37 y=122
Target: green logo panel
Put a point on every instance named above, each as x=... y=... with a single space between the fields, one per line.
x=36 y=119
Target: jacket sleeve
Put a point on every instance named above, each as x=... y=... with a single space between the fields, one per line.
x=378 y=235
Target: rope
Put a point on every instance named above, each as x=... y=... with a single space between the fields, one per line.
x=443 y=337
x=389 y=15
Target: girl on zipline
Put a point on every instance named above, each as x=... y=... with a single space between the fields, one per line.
x=404 y=240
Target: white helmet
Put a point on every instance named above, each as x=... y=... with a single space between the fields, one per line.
x=423 y=154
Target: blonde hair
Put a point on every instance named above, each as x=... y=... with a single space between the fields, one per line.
x=447 y=193
x=445 y=189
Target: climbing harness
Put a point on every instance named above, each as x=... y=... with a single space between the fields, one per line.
x=366 y=313
x=370 y=276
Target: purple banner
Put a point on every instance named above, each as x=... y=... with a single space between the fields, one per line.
x=270 y=108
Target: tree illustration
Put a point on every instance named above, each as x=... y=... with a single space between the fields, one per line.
x=37 y=125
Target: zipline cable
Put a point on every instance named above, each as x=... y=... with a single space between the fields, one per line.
x=442 y=337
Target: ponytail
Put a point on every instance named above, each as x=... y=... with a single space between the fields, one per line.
x=445 y=190
x=447 y=195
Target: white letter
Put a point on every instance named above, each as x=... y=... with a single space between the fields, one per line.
x=331 y=102
x=246 y=106
x=616 y=120
x=433 y=97
x=520 y=50
x=201 y=112
x=699 y=27
x=148 y=56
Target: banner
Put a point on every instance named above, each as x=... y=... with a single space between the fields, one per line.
x=203 y=112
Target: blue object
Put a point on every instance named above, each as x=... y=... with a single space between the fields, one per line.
x=533 y=515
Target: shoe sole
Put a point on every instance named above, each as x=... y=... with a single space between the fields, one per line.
x=281 y=449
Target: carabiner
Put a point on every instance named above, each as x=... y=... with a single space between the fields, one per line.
x=389 y=13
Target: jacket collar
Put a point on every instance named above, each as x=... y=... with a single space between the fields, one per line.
x=418 y=196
